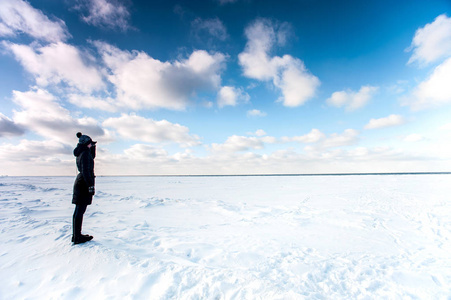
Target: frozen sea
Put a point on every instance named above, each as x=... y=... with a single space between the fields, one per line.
x=238 y=237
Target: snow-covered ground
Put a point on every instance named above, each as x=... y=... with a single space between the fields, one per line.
x=305 y=237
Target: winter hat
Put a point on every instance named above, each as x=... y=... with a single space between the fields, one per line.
x=84 y=139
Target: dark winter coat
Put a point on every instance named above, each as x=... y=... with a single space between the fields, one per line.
x=85 y=179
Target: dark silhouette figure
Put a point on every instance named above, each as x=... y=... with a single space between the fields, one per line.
x=84 y=186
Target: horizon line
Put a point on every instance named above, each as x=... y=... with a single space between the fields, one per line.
x=250 y=175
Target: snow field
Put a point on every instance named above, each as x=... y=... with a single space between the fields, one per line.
x=297 y=237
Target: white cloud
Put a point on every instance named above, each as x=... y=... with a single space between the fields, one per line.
x=256 y=113
x=287 y=73
x=147 y=130
x=260 y=132
x=434 y=91
x=144 y=82
x=211 y=27
x=312 y=137
x=28 y=151
x=104 y=13
x=142 y=152
x=43 y=115
x=432 y=42
x=5 y=30
x=414 y=137
x=392 y=120
x=49 y=158
x=319 y=141
x=8 y=128
x=106 y=104
x=446 y=127
x=237 y=143
x=347 y=138
x=58 y=63
x=17 y=16
x=37 y=158
x=352 y=100
x=229 y=95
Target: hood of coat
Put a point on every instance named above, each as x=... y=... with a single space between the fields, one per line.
x=80 y=149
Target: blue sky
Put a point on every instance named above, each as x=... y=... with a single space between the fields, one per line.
x=226 y=86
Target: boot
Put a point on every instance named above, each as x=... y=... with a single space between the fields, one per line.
x=84 y=235
x=82 y=239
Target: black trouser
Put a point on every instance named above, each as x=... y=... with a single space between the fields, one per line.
x=77 y=220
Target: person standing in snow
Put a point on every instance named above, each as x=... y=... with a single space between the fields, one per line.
x=84 y=186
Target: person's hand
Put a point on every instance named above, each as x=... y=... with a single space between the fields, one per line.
x=92 y=190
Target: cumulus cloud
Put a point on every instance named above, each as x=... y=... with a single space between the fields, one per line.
x=231 y=96
x=209 y=28
x=112 y=14
x=17 y=16
x=287 y=73
x=144 y=82
x=432 y=42
x=58 y=63
x=8 y=128
x=41 y=113
x=147 y=130
x=256 y=113
x=434 y=91
x=352 y=100
x=390 y=121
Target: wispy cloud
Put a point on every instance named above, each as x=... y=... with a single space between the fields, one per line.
x=111 y=14
x=287 y=73
x=347 y=138
x=19 y=17
x=256 y=113
x=414 y=137
x=259 y=132
x=142 y=152
x=319 y=141
x=238 y=143
x=209 y=28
